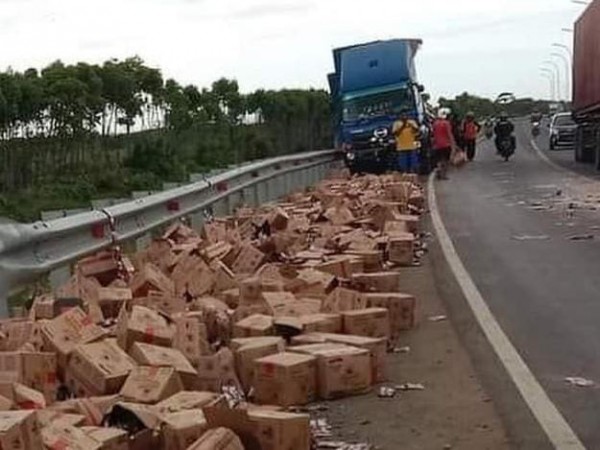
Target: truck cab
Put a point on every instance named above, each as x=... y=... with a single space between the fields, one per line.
x=373 y=85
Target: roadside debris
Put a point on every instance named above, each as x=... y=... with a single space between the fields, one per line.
x=410 y=387
x=225 y=336
x=580 y=382
x=531 y=237
x=405 y=349
x=437 y=318
x=582 y=237
x=386 y=392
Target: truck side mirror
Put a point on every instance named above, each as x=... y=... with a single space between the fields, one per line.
x=420 y=88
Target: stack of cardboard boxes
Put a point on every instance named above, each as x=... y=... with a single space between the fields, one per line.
x=283 y=305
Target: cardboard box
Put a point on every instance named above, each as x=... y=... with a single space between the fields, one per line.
x=394 y=228
x=102 y=266
x=191 y=338
x=151 y=384
x=247 y=354
x=285 y=379
x=57 y=436
x=401 y=249
x=43 y=307
x=377 y=348
x=142 y=421
x=21 y=396
x=341 y=369
x=217 y=370
x=68 y=330
x=371 y=322
x=339 y=266
x=19 y=431
x=93 y=409
x=248 y=260
x=48 y=416
x=151 y=278
x=214 y=231
x=153 y=355
x=254 y=325
x=99 y=368
x=185 y=400
x=378 y=281
x=224 y=278
x=250 y=291
x=276 y=430
x=112 y=299
x=322 y=323
x=159 y=301
x=314 y=283
x=342 y=299
x=401 y=308
x=181 y=429
x=278 y=302
x=143 y=325
x=218 y=439
x=33 y=369
x=108 y=438
x=14 y=333
x=279 y=219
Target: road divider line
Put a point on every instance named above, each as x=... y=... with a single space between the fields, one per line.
x=547 y=160
x=556 y=428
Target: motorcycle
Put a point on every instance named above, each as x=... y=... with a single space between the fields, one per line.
x=489 y=130
x=506 y=147
x=535 y=129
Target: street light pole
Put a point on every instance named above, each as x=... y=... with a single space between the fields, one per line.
x=567 y=75
x=550 y=75
x=557 y=76
x=551 y=84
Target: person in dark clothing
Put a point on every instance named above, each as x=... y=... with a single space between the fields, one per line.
x=456 y=130
x=504 y=129
x=470 y=130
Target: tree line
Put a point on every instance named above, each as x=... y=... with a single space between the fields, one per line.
x=485 y=107
x=73 y=132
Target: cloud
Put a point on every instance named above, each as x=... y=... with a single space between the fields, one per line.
x=270 y=9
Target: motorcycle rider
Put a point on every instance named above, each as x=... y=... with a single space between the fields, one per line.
x=504 y=130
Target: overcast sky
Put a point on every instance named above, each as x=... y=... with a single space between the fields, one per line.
x=482 y=46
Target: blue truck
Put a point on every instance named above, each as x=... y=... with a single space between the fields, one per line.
x=373 y=84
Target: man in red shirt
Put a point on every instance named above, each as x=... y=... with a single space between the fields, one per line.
x=470 y=130
x=443 y=143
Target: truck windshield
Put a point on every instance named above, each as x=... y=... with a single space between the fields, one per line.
x=376 y=105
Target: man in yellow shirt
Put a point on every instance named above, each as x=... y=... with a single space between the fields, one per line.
x=406 y=132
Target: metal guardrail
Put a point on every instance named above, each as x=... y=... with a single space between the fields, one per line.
x=28 y=251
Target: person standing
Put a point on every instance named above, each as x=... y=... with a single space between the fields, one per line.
x=406 y=134
x=443 y=143
x=470 y=130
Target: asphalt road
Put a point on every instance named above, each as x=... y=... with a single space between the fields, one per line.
x=512 y=225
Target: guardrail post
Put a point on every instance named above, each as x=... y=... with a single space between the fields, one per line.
x=59 y=277
x=143 y=242
x=197 y=221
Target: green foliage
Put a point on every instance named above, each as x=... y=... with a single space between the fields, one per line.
x=484 y=107
x=66 y=131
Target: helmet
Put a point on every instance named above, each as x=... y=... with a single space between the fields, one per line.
x=503 y=115
x=443 y=113
x=471 y=115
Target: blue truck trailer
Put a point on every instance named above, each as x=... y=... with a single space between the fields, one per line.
x=373 y=84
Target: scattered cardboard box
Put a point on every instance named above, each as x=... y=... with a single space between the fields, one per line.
x=285 y=379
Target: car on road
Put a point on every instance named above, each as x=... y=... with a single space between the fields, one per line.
x=562 y=130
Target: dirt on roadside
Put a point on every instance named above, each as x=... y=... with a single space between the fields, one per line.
x=453 y=412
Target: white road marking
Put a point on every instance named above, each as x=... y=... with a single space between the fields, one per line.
x=547 y=160
x=560 y=434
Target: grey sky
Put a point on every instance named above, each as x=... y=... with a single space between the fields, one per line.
x=482 y=46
